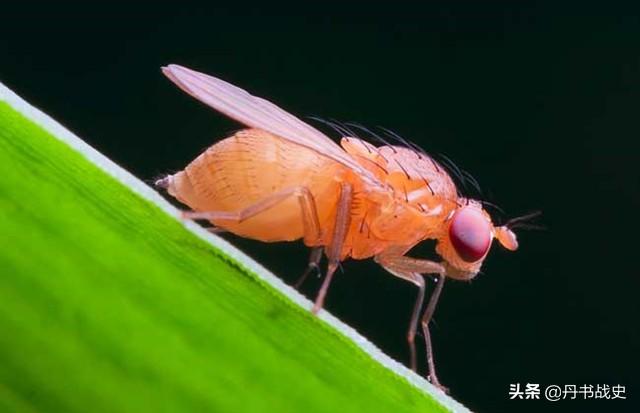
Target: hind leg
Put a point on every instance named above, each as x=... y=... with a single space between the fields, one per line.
x=311 y=224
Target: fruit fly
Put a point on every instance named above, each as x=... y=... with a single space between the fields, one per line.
x=281 y=179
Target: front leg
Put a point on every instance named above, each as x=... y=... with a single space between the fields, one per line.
x=426 y=318
x=411 y=269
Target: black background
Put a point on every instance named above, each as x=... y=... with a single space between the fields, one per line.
x=539 y=102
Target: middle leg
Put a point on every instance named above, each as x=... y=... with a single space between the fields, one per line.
x=340 y=228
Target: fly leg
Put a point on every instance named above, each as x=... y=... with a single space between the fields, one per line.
x=418 y=280
x=216 y=230
x=410 y=269
x=314 y=261
x=333 y=251
x=310 y=221
x=426 y=318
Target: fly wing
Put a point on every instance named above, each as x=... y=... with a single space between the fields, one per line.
x=259 y=113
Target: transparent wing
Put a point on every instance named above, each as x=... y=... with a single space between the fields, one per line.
x=260 y=113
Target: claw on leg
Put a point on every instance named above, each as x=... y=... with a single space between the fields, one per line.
x=314 y=261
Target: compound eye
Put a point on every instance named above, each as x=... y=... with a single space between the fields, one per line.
x=470 y=234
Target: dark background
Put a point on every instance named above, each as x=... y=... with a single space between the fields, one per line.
x=540 y=103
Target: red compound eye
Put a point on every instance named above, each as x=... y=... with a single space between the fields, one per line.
x=470 y=234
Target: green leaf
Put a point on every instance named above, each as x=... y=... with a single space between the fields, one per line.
x=110 y=303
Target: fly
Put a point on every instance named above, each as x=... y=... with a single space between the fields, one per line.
x=281 y=179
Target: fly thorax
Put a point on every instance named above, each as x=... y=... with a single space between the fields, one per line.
x=398 y=222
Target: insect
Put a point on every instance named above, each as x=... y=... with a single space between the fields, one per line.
x=281 y=179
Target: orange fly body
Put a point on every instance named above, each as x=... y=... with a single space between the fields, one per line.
x=283 y=180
